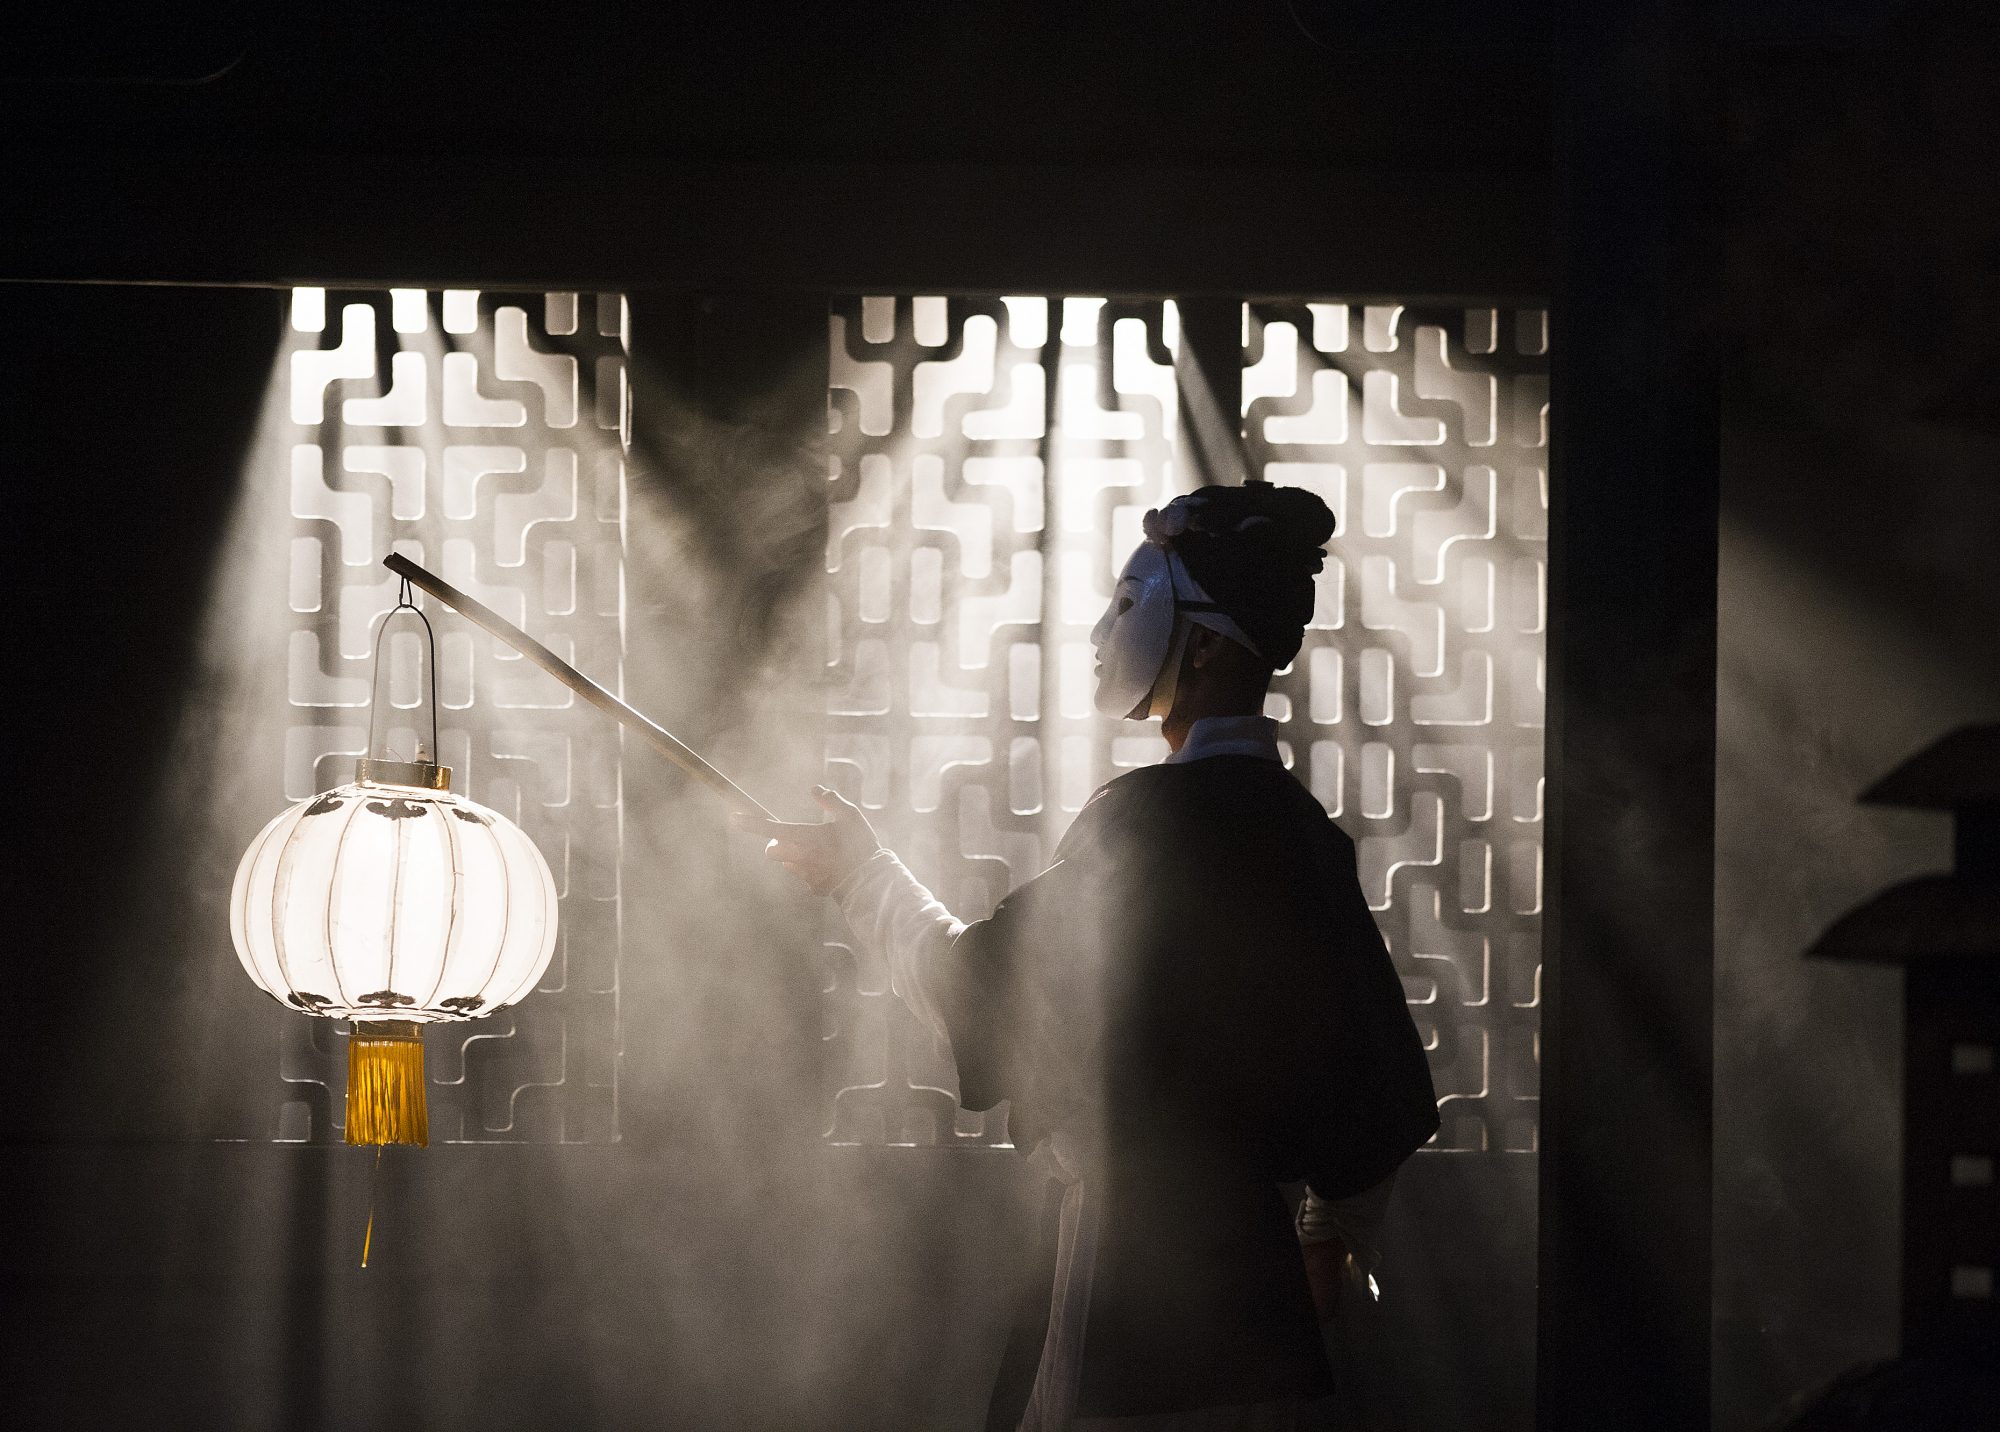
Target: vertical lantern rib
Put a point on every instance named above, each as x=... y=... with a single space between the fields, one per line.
x=333 y=884
x=506 y=915
x=279 y=877
x=239 y=899
x=271 y=848
x=454 y=896
x=277 y=972
x=545 y=890
x=239 y=905
x=395 y=894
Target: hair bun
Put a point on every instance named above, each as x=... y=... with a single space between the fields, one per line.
x=1260 y=511
x=1255 y=549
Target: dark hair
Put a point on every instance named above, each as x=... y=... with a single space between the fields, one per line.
x=1255 y=550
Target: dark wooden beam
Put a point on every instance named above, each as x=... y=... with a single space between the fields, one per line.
x=1083 y=228
x=1628 y=1019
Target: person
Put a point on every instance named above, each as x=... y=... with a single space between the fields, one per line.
x=1189 y=1007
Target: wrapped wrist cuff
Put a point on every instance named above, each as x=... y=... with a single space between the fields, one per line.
x=844 y=886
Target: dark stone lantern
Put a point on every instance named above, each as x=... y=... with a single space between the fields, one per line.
x=1944 y=932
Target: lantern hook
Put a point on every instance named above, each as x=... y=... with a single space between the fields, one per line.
x=405 y=602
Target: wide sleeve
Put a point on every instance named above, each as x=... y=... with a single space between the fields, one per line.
x=989 y=994
x=1020 y=991
x=1362 y=1100
x=898 y=920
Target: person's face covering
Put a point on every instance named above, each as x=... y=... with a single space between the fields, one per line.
x=1135 y=636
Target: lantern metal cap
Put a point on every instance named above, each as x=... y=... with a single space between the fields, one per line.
x=387 y=1029
x=423 y=775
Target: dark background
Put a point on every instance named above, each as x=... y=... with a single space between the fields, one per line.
x=1771 y=230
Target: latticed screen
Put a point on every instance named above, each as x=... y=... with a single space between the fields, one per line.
x=1414 y=711
x=990 y=461
x=484 y=436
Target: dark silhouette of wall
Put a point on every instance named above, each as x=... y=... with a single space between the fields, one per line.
x=1860 y=621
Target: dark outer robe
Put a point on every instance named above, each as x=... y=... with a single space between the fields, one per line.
x=1196 y=993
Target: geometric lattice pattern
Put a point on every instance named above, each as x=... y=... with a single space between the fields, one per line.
x=1415 y=708
x=483 y=435
x=990 y=460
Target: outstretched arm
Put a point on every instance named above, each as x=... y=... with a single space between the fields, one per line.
x=887 y=908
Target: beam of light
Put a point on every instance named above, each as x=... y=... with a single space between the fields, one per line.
x=483 y=436
x=371 y=439
x=973 y=541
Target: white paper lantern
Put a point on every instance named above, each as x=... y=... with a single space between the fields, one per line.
x=391 y=898
x=393 y=903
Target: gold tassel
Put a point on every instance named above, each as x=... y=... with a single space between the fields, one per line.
x=385 y=1083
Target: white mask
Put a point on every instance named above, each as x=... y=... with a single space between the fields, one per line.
x=1143 y=632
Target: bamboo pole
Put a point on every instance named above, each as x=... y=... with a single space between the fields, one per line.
x=655 y=735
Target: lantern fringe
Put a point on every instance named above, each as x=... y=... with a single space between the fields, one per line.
x=385 y=1084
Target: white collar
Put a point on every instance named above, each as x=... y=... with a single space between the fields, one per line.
x=1228 y=736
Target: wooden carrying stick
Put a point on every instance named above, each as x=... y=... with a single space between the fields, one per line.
x=663 y=740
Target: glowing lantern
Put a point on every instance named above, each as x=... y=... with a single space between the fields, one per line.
x=394 y=903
